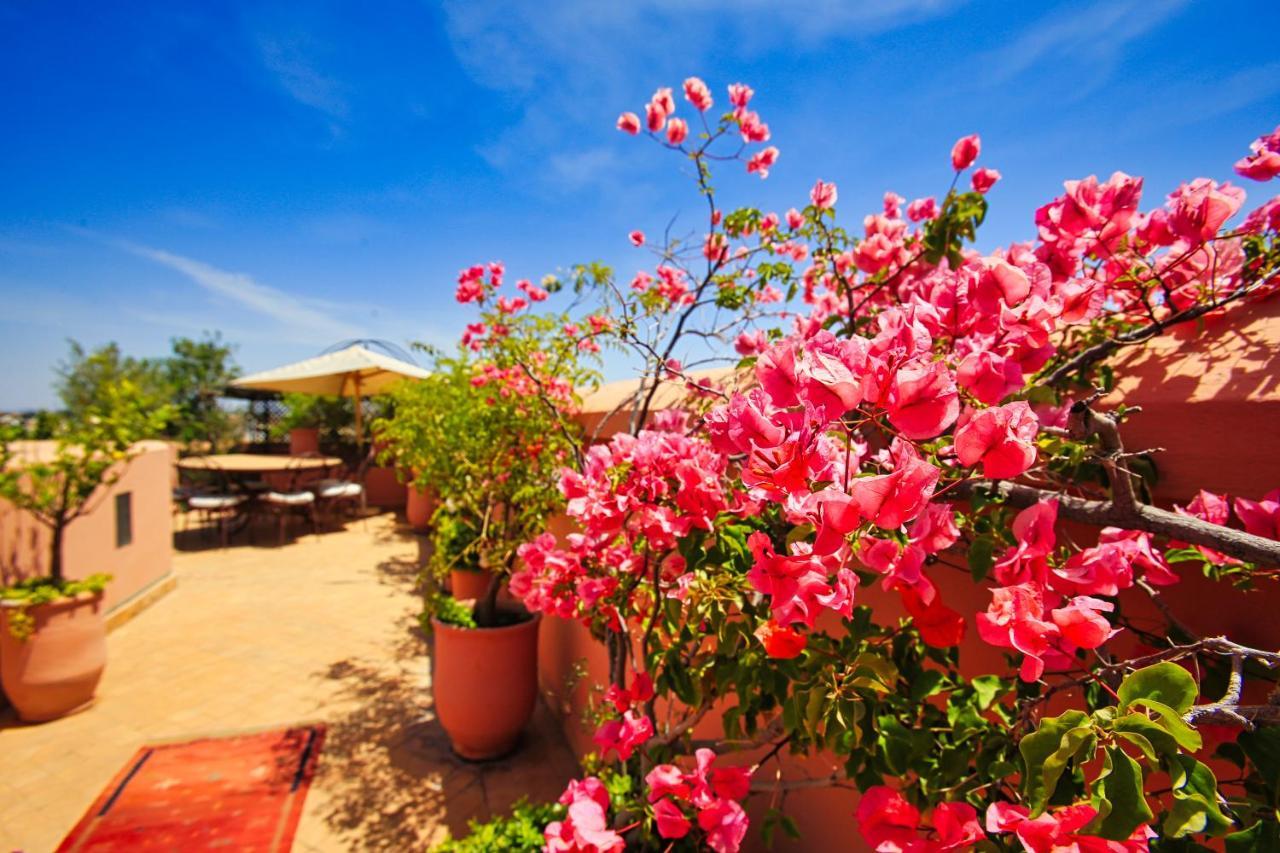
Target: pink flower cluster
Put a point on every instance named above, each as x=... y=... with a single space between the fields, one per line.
x=659 y=115
x=585 y=829
x=709 y=795
x=1060 y=829
x=1263 y=163
x=1045 y=608
x=634 y=495
x=890 y=824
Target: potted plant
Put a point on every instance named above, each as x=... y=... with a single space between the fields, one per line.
x=311 y=420
x=492 y=460
x=455 y=554
x=52 y=628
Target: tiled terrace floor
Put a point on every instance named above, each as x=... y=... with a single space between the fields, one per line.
x=321 y=629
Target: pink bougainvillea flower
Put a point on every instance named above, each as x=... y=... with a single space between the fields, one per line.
x=655 y=118
x=922 y=209
x=1015 y=620
x=823 y=195
x=697 y=93
x=984 y=179
x=629 y=123
x=1060 y=830
x=934 y=530
x=938 y=624
x=677 y=131
x=781 y=642
x=989 y=376
x=671 y=821
x=725 y=824
x=956 y=827
x=1199 y=208
x=1141 y=554
x=923 y=401
x=762 y=161
x=1211 y=508
x=585 y=828
x=795 y=219
x=624 y=736
x=740 y=95
x=1261 y=518
x=965 y=151
x=891 y=500
x=1001 y=439
x=887 y=821
x=1081 y=622
x=1263 y=163
x=636 y=238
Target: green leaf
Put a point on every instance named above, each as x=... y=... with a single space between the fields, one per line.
x=1122 y=788
x=1262 y=837
x=1262 y=746
x=981 y=557
x=988 y=688
x=1195 y=800
x=1139 y=729
x=1165 y=682
x=1171 y=721
x=1041 y=763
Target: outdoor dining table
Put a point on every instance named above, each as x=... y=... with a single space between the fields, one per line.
x=242 y=464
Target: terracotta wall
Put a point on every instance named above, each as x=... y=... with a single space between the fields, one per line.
x=1211 y=398
x=90 y=545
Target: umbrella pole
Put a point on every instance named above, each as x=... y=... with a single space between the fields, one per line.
x=359 y=421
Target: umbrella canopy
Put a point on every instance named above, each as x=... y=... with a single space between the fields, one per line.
x=354 y=371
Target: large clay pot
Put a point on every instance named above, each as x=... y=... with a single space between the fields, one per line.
x=419 y=507
x=485 y=682
x=304 y=440
x=56 y=669
x=465 y=584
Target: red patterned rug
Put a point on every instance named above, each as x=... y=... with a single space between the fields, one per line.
x=240 y=793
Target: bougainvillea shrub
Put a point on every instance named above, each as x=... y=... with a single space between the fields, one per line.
x=907 y=406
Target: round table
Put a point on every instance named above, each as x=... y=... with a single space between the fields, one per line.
x=254 y=463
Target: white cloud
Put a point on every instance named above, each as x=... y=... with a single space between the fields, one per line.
x=301 y=318
x=1090 y=39
x=289 y=61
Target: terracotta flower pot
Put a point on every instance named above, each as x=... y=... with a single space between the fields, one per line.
x=56 y=669
x=485 y=682
x=304 y=440
x=466 y=584
x=419 y=507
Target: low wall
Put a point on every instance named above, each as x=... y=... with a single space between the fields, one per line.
x=90 y=545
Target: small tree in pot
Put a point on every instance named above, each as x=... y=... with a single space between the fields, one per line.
x=489 y=444
x=52 y=636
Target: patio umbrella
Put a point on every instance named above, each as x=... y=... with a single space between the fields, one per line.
x=353 y=371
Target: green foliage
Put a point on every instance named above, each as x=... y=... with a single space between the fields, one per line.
x=32 y=592
x=455 y=537
x=492 y=458
x=90 y=452
x=188 y=382
x=446 y=608
x=1145 y=732
x=520 y=831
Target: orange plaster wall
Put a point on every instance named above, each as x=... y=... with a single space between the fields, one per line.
x=90 y=540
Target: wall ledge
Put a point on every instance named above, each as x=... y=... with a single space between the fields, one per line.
x=141 y=600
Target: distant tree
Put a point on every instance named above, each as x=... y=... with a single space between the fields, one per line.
x=86 y=379
x=196 y=374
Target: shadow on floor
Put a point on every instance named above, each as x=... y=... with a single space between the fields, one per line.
x=389 y=778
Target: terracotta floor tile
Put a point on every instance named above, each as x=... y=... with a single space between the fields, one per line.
x=251 y=637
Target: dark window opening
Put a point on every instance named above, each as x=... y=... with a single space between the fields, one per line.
x=124 y=519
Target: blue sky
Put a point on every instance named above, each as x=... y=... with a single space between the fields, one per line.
x=298 y=174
